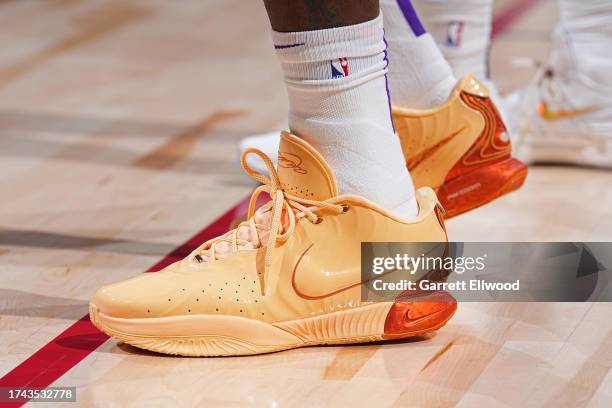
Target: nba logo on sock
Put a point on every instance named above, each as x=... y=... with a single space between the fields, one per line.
x=339 y=68
x=454 y=33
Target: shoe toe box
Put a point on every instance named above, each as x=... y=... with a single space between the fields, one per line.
x=144 y=296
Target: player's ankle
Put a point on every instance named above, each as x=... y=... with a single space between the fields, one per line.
x=339 y=103
x=419 y=76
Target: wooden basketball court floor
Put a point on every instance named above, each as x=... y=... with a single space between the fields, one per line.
x=119 y=122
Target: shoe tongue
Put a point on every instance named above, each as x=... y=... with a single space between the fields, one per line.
x=302 y=170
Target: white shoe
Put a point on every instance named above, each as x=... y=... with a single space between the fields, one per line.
x=562 y=116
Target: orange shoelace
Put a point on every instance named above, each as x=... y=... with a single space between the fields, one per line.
x=274 y=222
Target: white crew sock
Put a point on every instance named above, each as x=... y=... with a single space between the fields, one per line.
x=462 y=30
x=588 y=24
x=339 y=102
x=419 y=76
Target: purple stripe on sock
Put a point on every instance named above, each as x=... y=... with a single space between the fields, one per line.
x=386 y=59
x=411 y=17
x=283 y=46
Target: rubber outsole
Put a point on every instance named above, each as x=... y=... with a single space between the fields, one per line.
x=404 y=318
x=580 y=150
x=481 y=186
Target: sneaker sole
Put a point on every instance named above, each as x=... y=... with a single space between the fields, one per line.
x=551 y=151
x=481 y=186
x=214 y=335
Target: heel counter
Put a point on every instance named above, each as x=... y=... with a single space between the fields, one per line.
x=492 y=145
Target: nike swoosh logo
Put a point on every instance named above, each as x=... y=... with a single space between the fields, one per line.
x=427 y=153
x=546 y=113
x=347 y=285
x=336 y=281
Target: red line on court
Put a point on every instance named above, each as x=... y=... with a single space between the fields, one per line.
x=75 y=343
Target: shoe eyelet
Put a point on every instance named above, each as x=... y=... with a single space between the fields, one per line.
x=345 y=208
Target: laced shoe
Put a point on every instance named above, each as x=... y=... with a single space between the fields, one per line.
x=289 y=276
x=461 y=149
x=564 y=115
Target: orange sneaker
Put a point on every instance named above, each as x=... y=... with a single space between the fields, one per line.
x=461 y=149
x=287 y=277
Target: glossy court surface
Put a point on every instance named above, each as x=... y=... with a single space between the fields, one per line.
x=119 y=122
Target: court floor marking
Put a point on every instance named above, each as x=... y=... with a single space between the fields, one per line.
x=75 y=343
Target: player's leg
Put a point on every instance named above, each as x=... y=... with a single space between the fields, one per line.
x=462 y=30
x=453 y=137
x=304 y=15
x=290 y=275
x=419 y=76
x=458 y=145
x=334 y=60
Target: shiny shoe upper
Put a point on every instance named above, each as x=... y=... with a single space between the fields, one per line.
x=294 y=257
x=464 y=133
x=461 y=148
